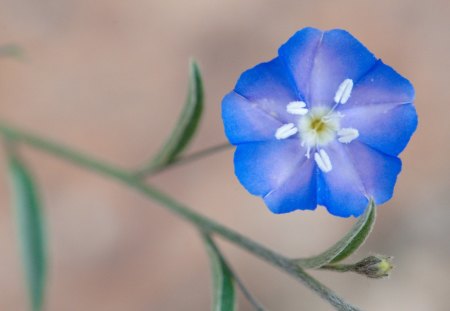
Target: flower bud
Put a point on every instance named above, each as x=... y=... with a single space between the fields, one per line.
x=375 y=266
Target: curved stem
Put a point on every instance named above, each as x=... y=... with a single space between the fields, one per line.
x=150 y=170
x=181 y=210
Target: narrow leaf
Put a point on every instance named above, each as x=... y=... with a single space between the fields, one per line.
x=11 y=50
x=224 y=298
x=187 y=122
x=347 y=245
x=30 y=228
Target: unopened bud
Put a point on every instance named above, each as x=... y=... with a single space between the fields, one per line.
x=375 y=266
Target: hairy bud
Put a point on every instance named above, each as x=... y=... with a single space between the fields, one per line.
x=375 y=266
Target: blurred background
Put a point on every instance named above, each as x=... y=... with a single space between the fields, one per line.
x=108 y=77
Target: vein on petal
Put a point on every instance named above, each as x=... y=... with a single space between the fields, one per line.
x=258 y=106
x=295 y=171
x=316 y=50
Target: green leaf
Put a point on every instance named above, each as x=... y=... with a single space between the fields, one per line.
x=186 y=124
x=224 y=298
x=11 y=50
x=30 y=228
x=347 y=245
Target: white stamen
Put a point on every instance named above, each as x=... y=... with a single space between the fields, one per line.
x=297 y=108
x=347 y=135
x=343 y=92
x=323 y=161
x=327 y=118
x=286 y=131
x=308 y=152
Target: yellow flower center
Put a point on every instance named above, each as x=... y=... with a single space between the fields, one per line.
x=318 y=127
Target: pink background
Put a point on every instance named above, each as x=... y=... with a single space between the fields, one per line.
x=109 y=78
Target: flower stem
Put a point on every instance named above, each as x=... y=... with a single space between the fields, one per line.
x=338 y=267
x=181 y=210
x=150 y=170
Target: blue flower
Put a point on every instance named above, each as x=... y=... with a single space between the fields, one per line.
x=322 y=123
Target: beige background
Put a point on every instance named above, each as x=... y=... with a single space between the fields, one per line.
x=109 y=77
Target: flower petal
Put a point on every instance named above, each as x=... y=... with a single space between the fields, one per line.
x=385 y=127
x=381 y=85
x=245 y=121
x=380 y=108
x=378 y=171
x=339 y=57
x=264 y=166
x=270 y=86
x=298 y=53
x=298 y=191
x=341 y=190
x=359 y=172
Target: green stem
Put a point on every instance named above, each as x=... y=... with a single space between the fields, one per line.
x=247 y=294
x=338 y=267
x=150 y=170
x=193 y=217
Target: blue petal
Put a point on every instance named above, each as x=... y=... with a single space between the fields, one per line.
x=269 y=86
x=298 y=53
x=245 y=121
x=381 y=85
x=321 y=61
x=298 y=192
x=378 y=171
x=385 y=127
x=380 y=109
x=339 y=56
x=359 y=173
x=341 y=190
x=262 y=167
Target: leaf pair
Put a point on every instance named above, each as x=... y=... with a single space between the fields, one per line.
x=27 y=205
x=224 y=296
x=347 y=245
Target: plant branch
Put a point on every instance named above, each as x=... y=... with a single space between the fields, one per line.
x=150 y=170
x=181 y=210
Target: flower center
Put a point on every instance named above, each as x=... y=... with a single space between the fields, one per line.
x=318 y=126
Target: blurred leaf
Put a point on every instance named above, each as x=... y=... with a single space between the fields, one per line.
x=347 y=245
x=30 y=229
x=187 y=122
x=224 y=298
x=11 y=50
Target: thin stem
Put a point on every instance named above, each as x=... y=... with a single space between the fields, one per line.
x=247 y=294
x=150 y=170
x=181 y=210
x=338 y=267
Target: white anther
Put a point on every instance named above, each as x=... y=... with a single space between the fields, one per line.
x=347 y=135
x=323 y=161
x=344 y=91
x=286 y=131
x=297 y=108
